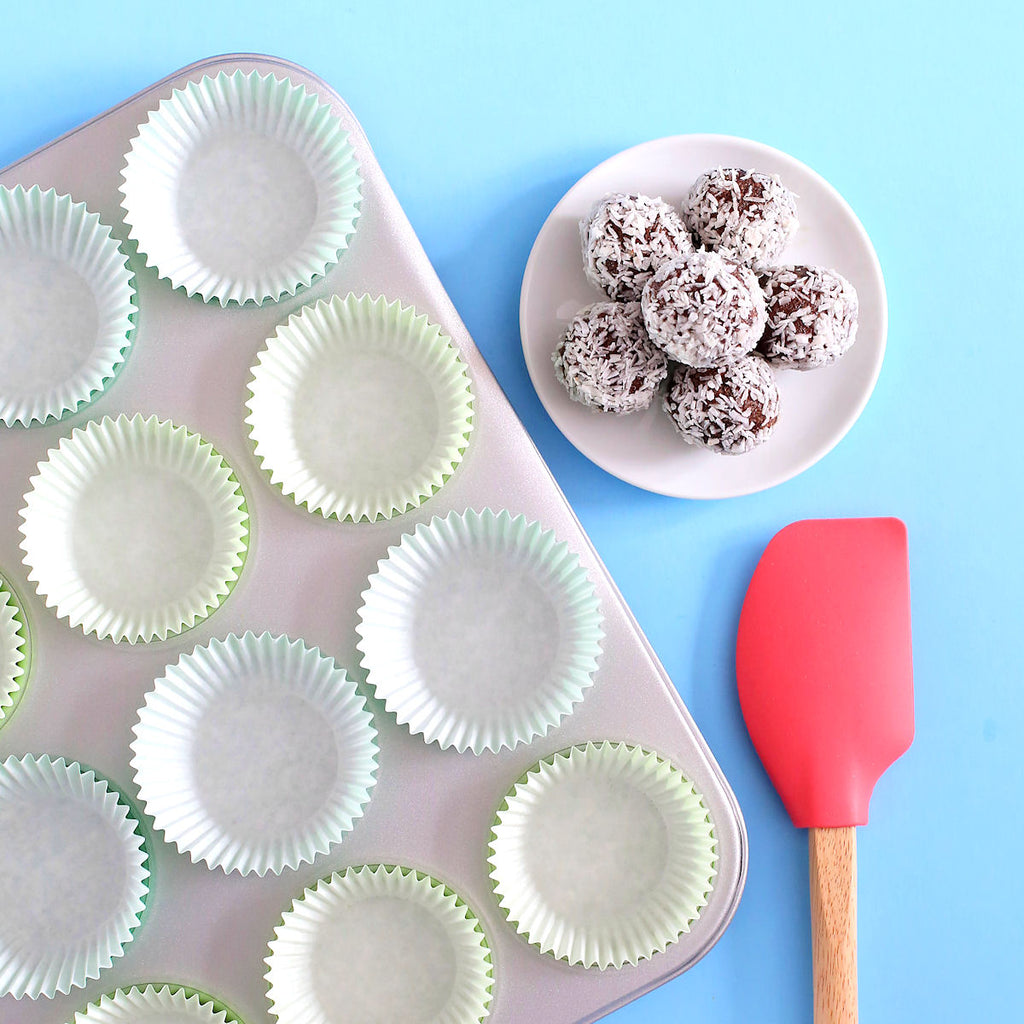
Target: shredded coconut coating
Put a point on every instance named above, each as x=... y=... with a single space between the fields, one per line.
x=728 y=409
x=704 y=309
x=812 y=316
x=605 y=359
x=750 y=215
x=625 y=238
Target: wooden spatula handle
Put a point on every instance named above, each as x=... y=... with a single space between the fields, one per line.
x=833 y=860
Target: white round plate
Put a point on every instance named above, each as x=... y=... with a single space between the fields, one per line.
x=818 y=406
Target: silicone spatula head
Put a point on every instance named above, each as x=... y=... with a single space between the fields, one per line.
x=823 y=664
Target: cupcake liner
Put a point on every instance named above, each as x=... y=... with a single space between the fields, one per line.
x=75 y=875
x=241 y=188
x=67 y=305
x=480 y=631
x=156 y=1004
x=602 y=854
x=379 y=943
x=134 y=529
x=14 y=651
x=359 y=408
x=254 y=754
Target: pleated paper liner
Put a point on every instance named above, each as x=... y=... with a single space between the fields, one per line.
x=134 y=529
x=241 y=188
x=603 y=854
x=379 y=943
x=67 y=305
x=14 y=651
x=156 y=1004
x=480 y=630
x=75 y=875
x=254 y=754
x=360 y=408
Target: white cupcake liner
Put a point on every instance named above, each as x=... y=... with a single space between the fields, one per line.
x=156 y=1004
x=241 y=188
x=254 y=754
x=360 y=408
x=480 y=631
x=602 y=855
x=379 y=943
x=67 y=305
x=134 y=529
x=75 y=876
x=14 y=651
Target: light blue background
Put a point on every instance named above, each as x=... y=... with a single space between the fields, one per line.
x=482 y=116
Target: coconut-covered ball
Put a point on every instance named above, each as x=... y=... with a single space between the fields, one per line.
x=728 y=409
x=625 y=237
x=704 y=309
x=605 y=359
x=748 y=214
x=812 y=316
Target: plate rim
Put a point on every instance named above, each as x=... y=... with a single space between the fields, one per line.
x=532 y=269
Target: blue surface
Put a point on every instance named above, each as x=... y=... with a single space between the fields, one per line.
x=482 y=118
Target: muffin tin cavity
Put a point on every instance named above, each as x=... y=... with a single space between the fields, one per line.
x=480 y=631
x=75 y=876
x=603 y=854
x=241 y=188
x=383 y=943
x=254 y=754
x=156 y=1004
x=67 y=305
x=360 y=408
x=134 y=529
x=14 y=651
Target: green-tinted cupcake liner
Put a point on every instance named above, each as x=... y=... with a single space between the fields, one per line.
x=480 y=630
x=241 y=188
x=75 y=875
x=159 y=1003
x=134 y=529
x=383 y=943
x=67 y=305
x=359 y=408
x=14 y=651
x=603 y=854
x=254 y=754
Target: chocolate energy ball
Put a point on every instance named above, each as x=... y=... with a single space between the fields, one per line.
x=812 y=316
x=625 y=237
x=746 y=213
x=605 y=359
x=728 y=409
x=704 y=309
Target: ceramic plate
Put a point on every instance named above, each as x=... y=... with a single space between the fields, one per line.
x=818 y=407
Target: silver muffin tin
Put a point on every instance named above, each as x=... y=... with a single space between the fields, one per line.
x=431 y=808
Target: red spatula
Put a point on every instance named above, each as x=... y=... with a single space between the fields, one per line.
x=823 y=664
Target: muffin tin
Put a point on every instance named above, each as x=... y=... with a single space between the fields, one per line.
x=431 y=808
